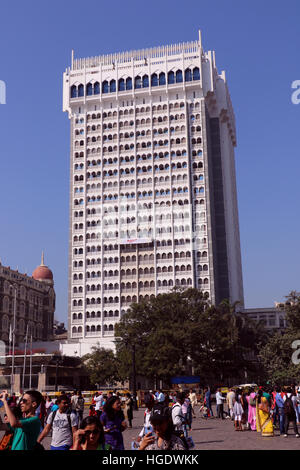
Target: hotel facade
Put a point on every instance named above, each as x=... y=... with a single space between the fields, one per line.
x=153 y=200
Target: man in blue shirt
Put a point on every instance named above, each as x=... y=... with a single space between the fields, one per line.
x=280 y=404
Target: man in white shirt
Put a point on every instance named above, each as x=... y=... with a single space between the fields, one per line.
x=194 y=401
x=63 y=423
x=230 y=402
x=98 y=399
x=220 y=400
x=177 y=414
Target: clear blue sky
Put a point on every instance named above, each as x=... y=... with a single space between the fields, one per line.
x=257 y=43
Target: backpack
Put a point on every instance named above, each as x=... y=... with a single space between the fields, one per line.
x=68 y=417
x=288 y=407
x=252 y=401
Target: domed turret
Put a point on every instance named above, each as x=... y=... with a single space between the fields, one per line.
x=43 y=273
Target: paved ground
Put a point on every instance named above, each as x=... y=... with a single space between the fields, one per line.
x=215 y=434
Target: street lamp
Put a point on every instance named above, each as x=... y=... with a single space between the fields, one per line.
x=13 y=343
x=58 y=360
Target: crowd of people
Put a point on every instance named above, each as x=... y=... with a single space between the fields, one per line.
x=167 y=424
x=263 y=409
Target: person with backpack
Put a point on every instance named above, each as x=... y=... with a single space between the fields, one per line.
x=64 y=423
x=25 y=429
x=164 y=437
x=178 y=417
x=279 y=400
x=289 y=414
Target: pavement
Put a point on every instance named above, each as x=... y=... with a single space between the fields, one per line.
x=215 y=434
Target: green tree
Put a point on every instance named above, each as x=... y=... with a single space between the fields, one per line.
x=102 y=366
x=276 y=354
x=181 y=327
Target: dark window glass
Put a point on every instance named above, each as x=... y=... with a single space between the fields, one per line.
x=105 y=87
x=128 y=83
x=154 y=81
x=121 y=84
x=137 y=82
x=89 y=89
x=196 y=74
x=178 y=76
x=112 y=86
x=73 y=91
x=145 y=81
x=171 y=78
x=162 y=79
x=80 y=90
x=188 y=75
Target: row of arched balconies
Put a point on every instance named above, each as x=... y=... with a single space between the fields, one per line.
x=93 y=88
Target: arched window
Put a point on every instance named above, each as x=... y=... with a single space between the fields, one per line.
x=128 y=83
x=73 y=91
x=137 y=82
x=162 y=78
x=112 y=86
x=80 y=90
x=154 y=80
x=105 y=87
x=145 y=81
x=188 y=75
x=96 y=88
x=171 y=78
x=196 y=74
x=89 y=89
x=121 y=84
x=178 y=76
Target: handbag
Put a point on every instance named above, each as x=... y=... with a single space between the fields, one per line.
x=252 y=401
x=6 y=441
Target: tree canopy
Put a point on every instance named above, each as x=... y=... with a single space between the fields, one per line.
x=182 y=327
x=276 y=355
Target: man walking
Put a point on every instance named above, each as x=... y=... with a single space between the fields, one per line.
x=98 y=399
x=64 y=424
x=280 y=405
x=230 y=402
x=80 y=407
x=207 y=401
x=289 y=414
x=178 y=418
x=193 y=400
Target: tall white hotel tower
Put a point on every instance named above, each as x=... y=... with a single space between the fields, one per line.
x=153 y=201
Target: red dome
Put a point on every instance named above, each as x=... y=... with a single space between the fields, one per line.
x=42 y=273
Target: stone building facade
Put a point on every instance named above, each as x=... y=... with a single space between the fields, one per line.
x=33 y=298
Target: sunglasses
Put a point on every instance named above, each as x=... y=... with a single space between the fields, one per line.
x=24 y=400
x=88 y=433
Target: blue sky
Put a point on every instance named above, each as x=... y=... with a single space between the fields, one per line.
x=256 y=42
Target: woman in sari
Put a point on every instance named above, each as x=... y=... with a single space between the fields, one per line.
x=251 y=399
x=264 y=423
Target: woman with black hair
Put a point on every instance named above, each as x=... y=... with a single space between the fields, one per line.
x=264 y=423
x=113 y=421
x=238 y=410
x=164 y=437
x=129 y=409
x=90 y=436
